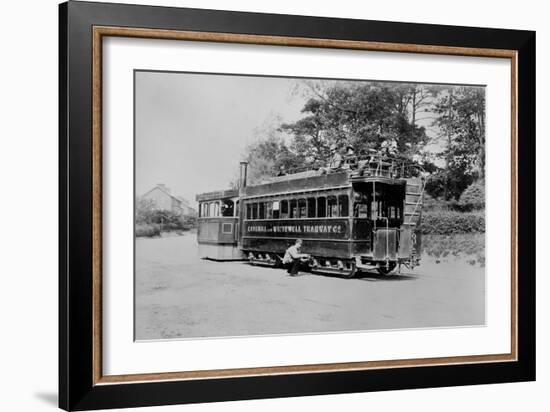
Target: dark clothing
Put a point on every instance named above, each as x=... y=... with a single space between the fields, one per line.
x=292 y=260
x=295 y=266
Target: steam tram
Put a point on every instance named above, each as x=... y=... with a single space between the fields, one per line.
x=364 y=216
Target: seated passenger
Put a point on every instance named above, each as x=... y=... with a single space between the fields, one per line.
x=350 y=159
x=335 y=161
x=364 y=165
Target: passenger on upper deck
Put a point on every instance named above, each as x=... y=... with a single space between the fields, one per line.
x=335 y=162
x=389 y=147
x=350 y=159
x=364 y=165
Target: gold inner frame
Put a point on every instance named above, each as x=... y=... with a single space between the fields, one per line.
x=101 y=31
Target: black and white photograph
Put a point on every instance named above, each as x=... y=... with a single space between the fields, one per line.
x=215 y=206
x=281 y=205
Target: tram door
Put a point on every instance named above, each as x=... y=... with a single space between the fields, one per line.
x=378 y=216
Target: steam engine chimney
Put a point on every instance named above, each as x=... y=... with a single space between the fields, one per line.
x=243 y=173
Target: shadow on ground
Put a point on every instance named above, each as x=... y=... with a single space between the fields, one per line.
x=376 y=277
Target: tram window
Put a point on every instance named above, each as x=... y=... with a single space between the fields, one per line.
x=332 y=206
x=322 y=206
x=249 y=211
x=343 y=205
x=293 y=209
x=254 y=211
x=216 y=209
x=311 y=207
x=276 y=209
x=376 y=209
x=301 y=208
x=228 y=208
x=361 y=210
x=237 y=208
x=269 y=210
x=284 y=209
x=261 y=213
x=394 y=212
x=361 y=205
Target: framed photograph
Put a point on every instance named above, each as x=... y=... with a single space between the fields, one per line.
x=256 y=206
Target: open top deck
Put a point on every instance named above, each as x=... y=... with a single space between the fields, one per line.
x=371 y=168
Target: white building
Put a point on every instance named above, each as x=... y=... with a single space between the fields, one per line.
x=163 y=199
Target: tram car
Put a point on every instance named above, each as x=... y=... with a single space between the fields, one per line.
x=363 y=216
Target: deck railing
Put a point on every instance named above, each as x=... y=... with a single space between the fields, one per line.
x=367 y=165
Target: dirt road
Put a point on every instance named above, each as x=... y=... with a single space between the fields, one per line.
x=179 y=295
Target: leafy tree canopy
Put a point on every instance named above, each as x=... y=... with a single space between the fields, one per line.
x=368 y=116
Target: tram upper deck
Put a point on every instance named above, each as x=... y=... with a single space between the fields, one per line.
x=355 y=169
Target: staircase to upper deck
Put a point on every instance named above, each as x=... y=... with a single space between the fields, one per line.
x=414 y=191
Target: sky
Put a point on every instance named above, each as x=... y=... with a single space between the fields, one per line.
x=191 y=130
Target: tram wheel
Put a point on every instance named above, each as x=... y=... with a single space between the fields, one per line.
x=349 y=273
x=386 y=270
x=278 y=261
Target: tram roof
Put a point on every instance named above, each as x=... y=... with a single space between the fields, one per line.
x=299 y=182
x=217 y=195
x=293 y=184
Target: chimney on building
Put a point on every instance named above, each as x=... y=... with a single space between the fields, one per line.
x=243 y=173
x=163 y=187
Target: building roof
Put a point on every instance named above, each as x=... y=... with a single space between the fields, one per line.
x=163 y=190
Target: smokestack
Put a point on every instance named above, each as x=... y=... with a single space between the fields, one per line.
x=243 y=173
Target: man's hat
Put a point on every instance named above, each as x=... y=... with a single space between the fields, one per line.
x=350 y=147
x=333 y=147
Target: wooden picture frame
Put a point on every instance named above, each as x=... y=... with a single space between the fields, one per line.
x=82 y=27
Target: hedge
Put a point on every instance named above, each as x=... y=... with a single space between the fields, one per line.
x=452 y=222
x=473 y=198
x=145 y=230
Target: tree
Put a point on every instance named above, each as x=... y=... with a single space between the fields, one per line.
x=267 y=155
x=145 y=210
x=363 y=115
x=461 y=120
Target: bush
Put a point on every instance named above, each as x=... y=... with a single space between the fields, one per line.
x=448 y=185
x=189 y=222
x=144 y=230
x=436 y=204
x=452 y=222
x=169 y=221
x=473 y=198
